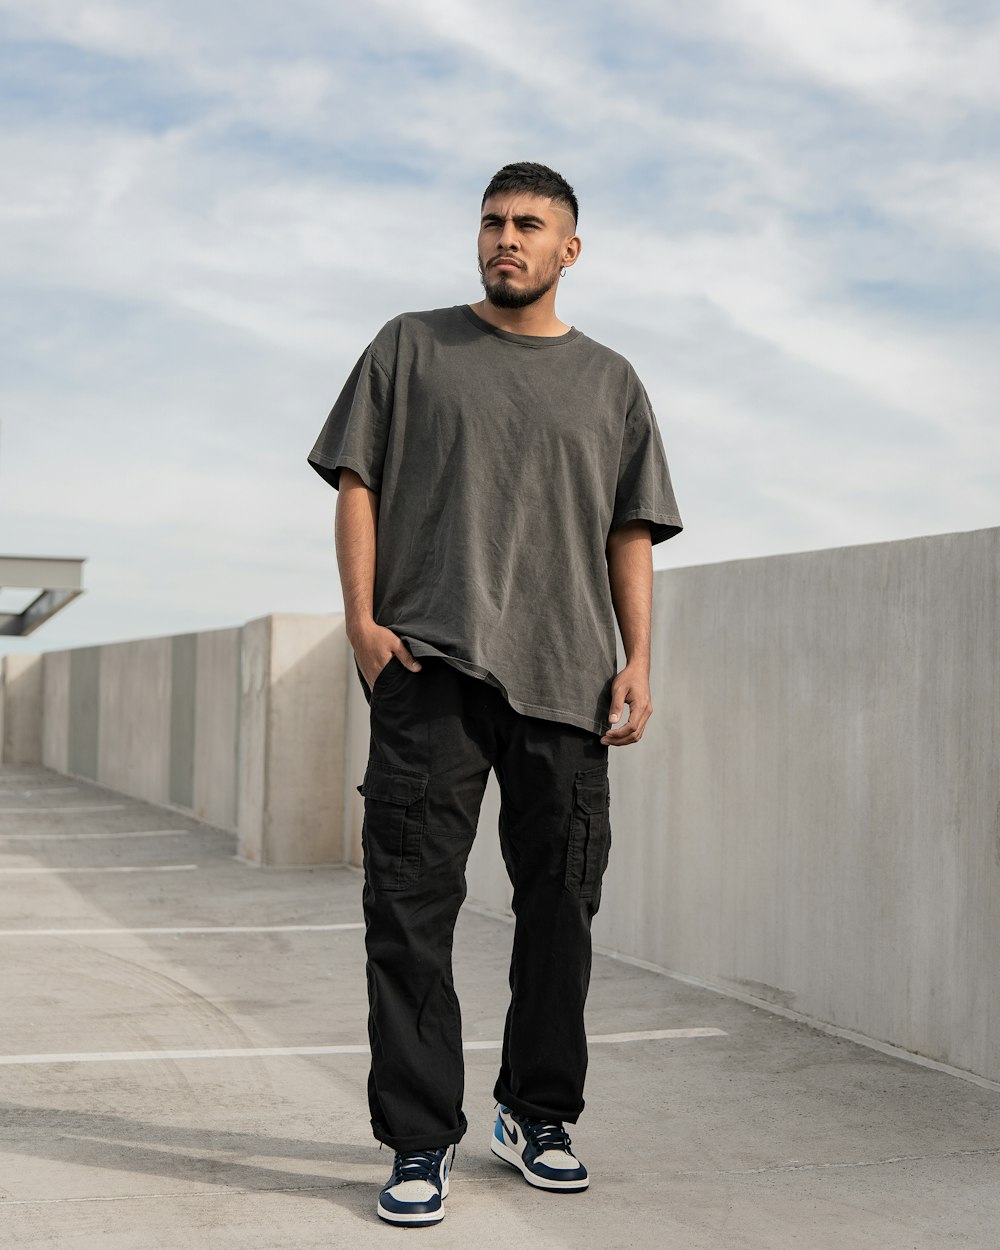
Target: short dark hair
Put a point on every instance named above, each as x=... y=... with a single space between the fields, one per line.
x=535 y=179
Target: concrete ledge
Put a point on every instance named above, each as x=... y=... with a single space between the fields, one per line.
x=243 y=728
x=811 y=819
x=22 y=709
x=293 y=722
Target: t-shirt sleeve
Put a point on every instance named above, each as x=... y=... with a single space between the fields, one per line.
x=644 y=491
x=356 y=432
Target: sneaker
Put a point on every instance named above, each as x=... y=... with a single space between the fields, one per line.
x=414 y=1192
x=540 y=1150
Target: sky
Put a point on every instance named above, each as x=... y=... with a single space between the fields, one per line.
x=791 y=226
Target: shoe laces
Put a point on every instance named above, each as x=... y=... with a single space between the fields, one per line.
x=546 y=1134
x=418 y=1165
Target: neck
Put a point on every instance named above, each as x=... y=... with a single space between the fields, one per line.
x=538 y=318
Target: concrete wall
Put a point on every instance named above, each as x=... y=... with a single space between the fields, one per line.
x=232 y=725
x=21 y=722
x=83 y=721
x=812 y=816
x=293 y=715
x=133 y=720
x=55 y=710
x=215 y=712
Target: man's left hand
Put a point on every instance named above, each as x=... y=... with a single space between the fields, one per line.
x=631 y=686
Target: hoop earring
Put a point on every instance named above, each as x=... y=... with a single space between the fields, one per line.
x=562 y=272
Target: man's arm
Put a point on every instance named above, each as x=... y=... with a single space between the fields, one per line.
x=356 y=530
x=630 y=573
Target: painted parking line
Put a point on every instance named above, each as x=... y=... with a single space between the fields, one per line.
x=657 y=1035
x=28 y=792
x=215 y=928
x=645 y=1035
x=67 y=810
x=116 y=868
x=43 y=778
x=281 y=1052
x=83 y=837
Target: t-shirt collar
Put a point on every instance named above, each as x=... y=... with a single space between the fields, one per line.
x=526 y=340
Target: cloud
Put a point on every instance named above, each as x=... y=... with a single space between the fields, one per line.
x=956 y=200
x=908 y=57
x=789 y=226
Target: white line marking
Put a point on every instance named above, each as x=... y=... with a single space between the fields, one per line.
x=647 y=1035
x=278 y=1052
x=48 y=811
x=216 y=928
x=174 y=1194
x=155 y=1056
x=27 y=793
x=136 y=868
x=656 y=1035
x=82 y=837
x=39 y=776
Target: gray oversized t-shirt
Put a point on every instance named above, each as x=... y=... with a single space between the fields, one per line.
x=501 y=461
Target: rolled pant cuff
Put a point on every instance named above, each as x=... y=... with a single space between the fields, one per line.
x=420 y=1141
x=535 y=1110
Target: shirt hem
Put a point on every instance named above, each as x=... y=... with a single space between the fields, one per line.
x=669 y=521
x=539 y=710
x=319 y=461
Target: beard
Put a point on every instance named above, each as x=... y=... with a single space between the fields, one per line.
x=502 y=294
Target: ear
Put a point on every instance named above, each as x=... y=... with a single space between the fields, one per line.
x=571 y=251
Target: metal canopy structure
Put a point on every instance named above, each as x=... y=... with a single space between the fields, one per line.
x=58 y=580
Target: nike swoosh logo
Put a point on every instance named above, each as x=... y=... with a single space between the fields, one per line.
x=510 y=1130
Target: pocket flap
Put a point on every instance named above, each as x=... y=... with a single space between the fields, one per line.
x=592 y=793
x=386 y=784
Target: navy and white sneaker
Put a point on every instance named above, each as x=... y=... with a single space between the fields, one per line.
x=540 y=1150
x=414 y=1193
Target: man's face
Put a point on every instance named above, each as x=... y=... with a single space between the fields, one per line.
x=524 y=240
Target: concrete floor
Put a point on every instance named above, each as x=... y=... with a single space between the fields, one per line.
x=768 y=1135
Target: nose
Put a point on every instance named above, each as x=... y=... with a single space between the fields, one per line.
x=508 y=237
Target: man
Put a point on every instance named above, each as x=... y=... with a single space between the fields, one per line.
x=501 y=481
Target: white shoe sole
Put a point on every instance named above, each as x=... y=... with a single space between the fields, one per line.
x=418 y=1219
x=503 y=1151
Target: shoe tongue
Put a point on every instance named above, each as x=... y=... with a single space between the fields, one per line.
x=550 y=1135
x=418 y=1165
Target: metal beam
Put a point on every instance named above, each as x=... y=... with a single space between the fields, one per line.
x=37 y=612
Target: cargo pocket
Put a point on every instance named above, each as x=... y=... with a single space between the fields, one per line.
x=589 y=833
x=393 y=825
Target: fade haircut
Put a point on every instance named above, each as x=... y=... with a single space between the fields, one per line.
x=534 y=179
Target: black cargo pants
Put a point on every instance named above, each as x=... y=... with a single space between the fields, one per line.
x=435 y=735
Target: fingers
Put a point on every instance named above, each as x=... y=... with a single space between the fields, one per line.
x=622 y=737
x=409 y=661
x=631 y=731
x=404 y=657
x=378 y=659
x=626 y=734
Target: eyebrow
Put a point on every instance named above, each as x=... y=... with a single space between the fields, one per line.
x=495 y=218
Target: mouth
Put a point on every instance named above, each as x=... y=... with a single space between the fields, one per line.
x=505 y=263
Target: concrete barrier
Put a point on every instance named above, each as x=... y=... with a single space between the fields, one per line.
x=293 y=710
x=21 y=718
x=812 y=818
x=811 y=821
x=243 y=728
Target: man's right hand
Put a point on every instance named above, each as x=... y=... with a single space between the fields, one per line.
x=374 y=646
